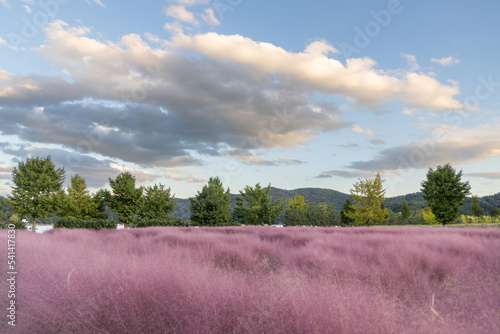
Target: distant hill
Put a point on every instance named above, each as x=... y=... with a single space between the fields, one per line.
x=319 y=195
x=315 y=195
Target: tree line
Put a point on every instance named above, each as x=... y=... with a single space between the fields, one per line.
x=37 y=193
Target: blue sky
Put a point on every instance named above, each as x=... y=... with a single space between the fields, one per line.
x=292 y=93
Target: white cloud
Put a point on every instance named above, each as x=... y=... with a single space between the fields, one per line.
x=358 y=79
x=447 y=61
x=27 y=8
x=190 y=104
x=5 y=3
x=320 y=48
x=182 y=14
x=141 y=176
x=362 y=131
x=446 y=144
x=412 y=61
x=97 y=2
x=209 y=17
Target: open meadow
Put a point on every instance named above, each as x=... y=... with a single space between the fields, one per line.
x=257 y=280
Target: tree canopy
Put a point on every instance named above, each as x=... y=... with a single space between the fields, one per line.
x=255 y=206
x=77 y=202
x=211 y=206
x=126 y=199
x=369 y=197
x=475 y=207
x=345 y=219
x=36 y=182
x=405 y=210
x=157 y=202
x=445 y=193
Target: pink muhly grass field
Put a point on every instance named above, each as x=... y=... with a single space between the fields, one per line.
x=257 y=280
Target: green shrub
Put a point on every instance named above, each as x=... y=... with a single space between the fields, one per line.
x=95 y=224
x=18 y=225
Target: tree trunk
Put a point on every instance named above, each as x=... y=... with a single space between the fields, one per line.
x=33 y=228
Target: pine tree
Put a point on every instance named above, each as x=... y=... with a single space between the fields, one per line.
x=210 y=207
x=77 y=202
x=126 y=199
x=345 y=220
x=36 y=183
x=368 y=198
x=445 y=193
x=405 y=210
x=255 y=206
x=157 y=203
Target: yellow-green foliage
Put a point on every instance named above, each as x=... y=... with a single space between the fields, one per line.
x=297 y=203
x=429 y=216
x=369 y=196
x=479 y=220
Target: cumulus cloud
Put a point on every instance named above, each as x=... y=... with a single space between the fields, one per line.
x=358 y=78
x=446 y=61
x=181 y=13
x=446 y=144
x=154 y=107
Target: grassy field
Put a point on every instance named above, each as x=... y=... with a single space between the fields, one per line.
x=257 y=280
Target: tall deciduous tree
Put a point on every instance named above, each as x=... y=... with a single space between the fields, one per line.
x=345 y=220
x=405 y=210
x=211 y=206
x=296 y=212
x=369 y=197
x=77 y=202
x=36 y=183
x=445 y=193
x=255 y=206
x=476 y=208
x=157 y=203
x=126 y=199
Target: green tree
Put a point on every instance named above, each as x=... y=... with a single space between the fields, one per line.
x=445 y=193
x=296 y=212
x=495 y=212
x=211 y=206
x=476 y=208
x=255 y=206
x=126 y=199
x=347 y=208
x=157 y=203
x=429 y=216
x=76 y=202
x=36 y=183
x=320 y=214
x=369 y=197
x=405 y=210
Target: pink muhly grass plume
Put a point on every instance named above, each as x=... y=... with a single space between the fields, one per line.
x=257 y=279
